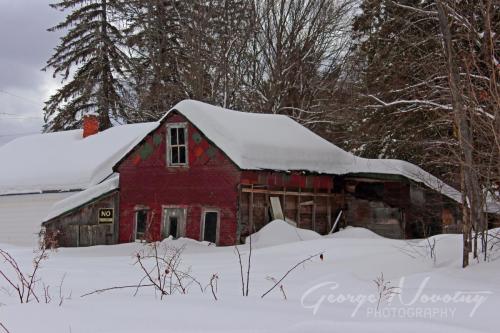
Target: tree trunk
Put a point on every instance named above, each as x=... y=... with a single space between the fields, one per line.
x=470 y=186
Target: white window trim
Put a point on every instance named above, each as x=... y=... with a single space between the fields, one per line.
x=186 y=138
x=136 y=210
x=183 y=227
x=217 y=231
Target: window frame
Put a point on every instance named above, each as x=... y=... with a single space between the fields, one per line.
x=136 y=218
x=204 y=211
x=169 y=145
x=181 y=228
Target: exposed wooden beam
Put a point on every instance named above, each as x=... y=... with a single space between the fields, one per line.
x=266 y=208
x=277 y=192
x=284 y=203
x=314 y=213
x=297 y=217
x=329 y=212
x=250 y=211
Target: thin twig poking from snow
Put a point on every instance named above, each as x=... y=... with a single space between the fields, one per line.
x=290 y=270
x=4 y=328
x=249 y=264
x=98 y=291
x=62 y=298
x=384 y=290
x=428 y=250
x=166 y=275
x=282 y=289
x=23 y=283
x=213 y=285
x=241 y=270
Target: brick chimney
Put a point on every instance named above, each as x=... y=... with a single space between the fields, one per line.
x=90 y=125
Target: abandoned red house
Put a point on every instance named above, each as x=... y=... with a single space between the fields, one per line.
x=217 y=175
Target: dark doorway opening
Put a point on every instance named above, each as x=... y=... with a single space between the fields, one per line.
x=141 y=221
x=210 y=227
x=174 y=222
x=172 y=230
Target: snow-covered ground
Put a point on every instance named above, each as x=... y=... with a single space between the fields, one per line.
x=336 y=294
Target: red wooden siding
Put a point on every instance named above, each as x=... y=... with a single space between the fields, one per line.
x=210 y=181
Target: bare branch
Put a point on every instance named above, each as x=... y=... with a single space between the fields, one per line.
x=290 y=270
x=413 y=101
x=98 y=291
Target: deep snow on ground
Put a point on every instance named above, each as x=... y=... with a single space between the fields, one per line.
x=280 y=232
x=317 y=292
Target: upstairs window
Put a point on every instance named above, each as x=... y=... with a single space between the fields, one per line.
x=177 y=145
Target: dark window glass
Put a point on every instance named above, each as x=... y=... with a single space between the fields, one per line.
x=173 y=227
x=173 y=136
x=210 y=230
x=177 y=146
x=180 y=131
x=175 y=155
x=182 y=155
x=142 y=220
x=370 y=191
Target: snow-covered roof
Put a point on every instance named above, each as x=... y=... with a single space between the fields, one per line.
x=65 y=161
x=256 y=141
x=407 y=170
x=83 y=197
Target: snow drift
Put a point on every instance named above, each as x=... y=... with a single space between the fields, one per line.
x=280 y=232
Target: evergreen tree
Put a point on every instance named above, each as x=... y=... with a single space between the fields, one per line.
x=187 y=49
x=155 y=37
x=216 y=36
x=91 y=62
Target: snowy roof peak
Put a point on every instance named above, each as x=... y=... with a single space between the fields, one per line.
x=264 y=141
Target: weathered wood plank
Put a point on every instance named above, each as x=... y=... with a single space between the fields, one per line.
x=250 y=212
x=294 y=193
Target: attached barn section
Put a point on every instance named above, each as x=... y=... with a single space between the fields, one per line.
x=306 y=200
x=396 y=207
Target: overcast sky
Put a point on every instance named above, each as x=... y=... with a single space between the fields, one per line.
x=25 y=46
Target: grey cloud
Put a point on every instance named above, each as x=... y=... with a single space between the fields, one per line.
x=25 y=46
